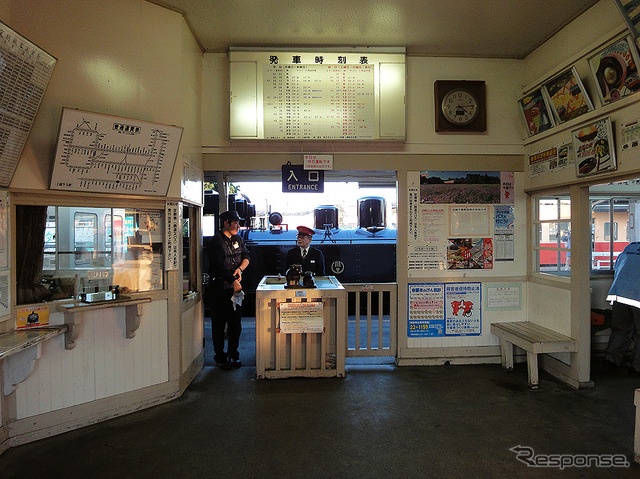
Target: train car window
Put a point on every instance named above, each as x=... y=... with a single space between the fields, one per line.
x=612 y=229
x=85 y=237
x=64 y=250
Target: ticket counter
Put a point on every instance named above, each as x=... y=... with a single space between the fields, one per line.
x=300 y=332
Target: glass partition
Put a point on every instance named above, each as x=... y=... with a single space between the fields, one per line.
x=63 y=251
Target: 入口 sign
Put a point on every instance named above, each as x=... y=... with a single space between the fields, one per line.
x=318 y=162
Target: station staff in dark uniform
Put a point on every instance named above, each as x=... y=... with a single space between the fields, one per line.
x=310 y=258
x=228 y=258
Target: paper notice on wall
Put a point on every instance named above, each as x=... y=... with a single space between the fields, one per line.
x=414 y=203
x=5 y=298
x=4 y=229
x=469 y=220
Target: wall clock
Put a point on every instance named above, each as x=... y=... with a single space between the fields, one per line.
x=460 y=106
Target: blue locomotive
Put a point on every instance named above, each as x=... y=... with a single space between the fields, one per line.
x=366 y=254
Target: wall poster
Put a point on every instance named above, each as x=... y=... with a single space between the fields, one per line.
x=595 y=149
x=470 y=253
x=25 y=70
x=444 y=309
x=107 y=154
x=460 y=187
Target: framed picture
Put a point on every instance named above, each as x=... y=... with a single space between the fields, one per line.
x=535 y=112
x=615 y=69
x=566 y=96
x=594 y=148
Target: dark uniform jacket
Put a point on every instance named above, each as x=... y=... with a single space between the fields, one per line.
x=314 y=261
x=225 y=255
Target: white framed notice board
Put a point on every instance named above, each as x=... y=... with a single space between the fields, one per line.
x=108 y=154
x=347 y=94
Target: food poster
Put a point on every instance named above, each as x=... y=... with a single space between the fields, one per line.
x=439 y=309
x=594 y=148
x=615 y=69
x=536 y=115
x=470 y=253
x=567 y=96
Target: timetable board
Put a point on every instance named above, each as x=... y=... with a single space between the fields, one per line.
x=310 y=95
x=25 y=70
x=107 y=154
x=319 y=102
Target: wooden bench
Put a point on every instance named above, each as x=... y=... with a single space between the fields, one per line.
x=534 y=339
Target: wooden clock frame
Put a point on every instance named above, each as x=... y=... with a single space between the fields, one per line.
x=477 y=89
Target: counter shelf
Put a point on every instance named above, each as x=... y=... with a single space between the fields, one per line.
x=73 y=311
x=19 y=355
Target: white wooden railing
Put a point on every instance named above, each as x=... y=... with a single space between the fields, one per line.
x=372 y=319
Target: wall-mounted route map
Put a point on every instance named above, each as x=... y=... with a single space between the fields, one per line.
x=106 y=154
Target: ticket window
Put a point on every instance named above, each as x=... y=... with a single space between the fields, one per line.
x=61 y=251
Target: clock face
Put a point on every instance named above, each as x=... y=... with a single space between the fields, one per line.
x=460 y=107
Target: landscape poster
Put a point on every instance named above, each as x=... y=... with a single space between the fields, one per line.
x=460 y=187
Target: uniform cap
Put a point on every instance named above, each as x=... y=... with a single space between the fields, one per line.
x=303 y=230
x=229 y=216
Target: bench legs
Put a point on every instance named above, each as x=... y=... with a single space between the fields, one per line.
x=506 y=350
x=532 y=366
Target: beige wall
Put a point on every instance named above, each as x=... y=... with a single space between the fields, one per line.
x=127 y=58
x=133 y=59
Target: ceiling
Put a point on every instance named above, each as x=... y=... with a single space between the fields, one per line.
x=462 y=28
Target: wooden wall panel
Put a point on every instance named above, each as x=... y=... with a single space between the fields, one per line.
x=104 y=363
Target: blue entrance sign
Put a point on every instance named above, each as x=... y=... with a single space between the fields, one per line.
x=295 y=179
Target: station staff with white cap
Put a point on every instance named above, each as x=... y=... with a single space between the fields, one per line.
x=310 y=258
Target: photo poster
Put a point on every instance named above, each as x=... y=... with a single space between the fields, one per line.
x=470 y=253
x=301 y=317
x=444 y=309
x=595 y=149
x=615 y=69
x=460 y=187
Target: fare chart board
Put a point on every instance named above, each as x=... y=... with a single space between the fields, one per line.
x=25 y=70
x=319 y=102
x=106 y=154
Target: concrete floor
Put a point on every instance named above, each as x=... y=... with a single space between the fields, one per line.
x=380 y=421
